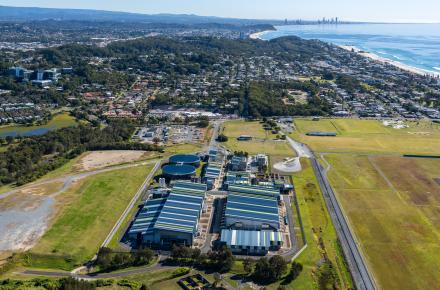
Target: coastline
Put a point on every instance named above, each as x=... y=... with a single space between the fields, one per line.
x=257 y=35
x=372 y=56
x=397 y=64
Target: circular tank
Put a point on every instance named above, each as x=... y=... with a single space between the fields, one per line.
x=185 y=159
x=178 y=171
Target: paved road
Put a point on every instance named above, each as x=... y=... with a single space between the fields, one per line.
x=361 y=276
x=358 y=268
x=294 y=243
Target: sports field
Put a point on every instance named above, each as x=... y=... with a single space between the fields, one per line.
x=393 y=206
x=262 y=142
x=87 y=213
x=369 y=136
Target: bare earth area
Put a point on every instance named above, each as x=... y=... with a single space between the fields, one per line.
x=25 y=212
x=101 y=159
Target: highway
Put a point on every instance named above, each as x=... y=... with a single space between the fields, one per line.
x=359 y=271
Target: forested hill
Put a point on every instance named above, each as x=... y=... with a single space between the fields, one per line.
x=8 y=13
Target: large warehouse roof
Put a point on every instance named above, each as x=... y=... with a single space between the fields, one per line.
x=182 y=208
x=147 y=218
x=178 y=212
x=213 y=170
x=252 y=207
x=243 y=239
x=260 y=190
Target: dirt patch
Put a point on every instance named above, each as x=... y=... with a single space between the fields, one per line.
x=100 y=159
x=29 y=197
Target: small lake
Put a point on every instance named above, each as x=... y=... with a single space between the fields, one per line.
x=32 y=132
x=59 y=121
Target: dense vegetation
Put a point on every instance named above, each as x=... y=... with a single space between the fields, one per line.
x=108 y=260
x=67 y=284
x=263 y=99
x=220 y=260
x=35 y=156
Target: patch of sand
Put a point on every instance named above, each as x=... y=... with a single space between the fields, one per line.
x=100 y=159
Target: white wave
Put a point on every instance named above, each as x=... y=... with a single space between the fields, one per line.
x=436 y=68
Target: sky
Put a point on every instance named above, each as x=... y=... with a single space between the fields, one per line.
x=350 y=10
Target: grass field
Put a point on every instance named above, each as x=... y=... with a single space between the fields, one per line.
x=320 y=234
x=369 y=136
x=393 y=206
x=87 y=213
x=263 y=141
x=58 y=121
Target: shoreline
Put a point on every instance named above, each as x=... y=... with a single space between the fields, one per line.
x=257 y=35
x=370 y=55
x=381 y=59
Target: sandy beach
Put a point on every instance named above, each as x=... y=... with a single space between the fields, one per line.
x=257 y=35
x=400 y=65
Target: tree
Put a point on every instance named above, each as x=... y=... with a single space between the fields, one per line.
x=294 y=272
x=222 y=138
x=248 y=264
x=221 y=260
x=269 y=270
x=278 y=266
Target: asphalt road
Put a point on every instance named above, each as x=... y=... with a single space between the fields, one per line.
x=359 y=271
x=363 y=280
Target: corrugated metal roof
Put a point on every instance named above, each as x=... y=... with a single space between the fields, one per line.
x=182 y=208
x=147 y=217
x=252 y=207
x=260 y=190
x=242 y=238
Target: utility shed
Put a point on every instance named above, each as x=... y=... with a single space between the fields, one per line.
x=251 y=242
x=251 y=211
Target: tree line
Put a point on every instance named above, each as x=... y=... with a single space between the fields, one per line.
x=35 y=156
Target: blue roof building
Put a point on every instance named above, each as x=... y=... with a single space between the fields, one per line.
x=173 y=220
x=251 y=209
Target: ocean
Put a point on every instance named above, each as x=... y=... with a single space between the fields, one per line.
x=415 y=45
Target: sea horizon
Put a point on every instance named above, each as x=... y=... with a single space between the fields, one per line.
x=415 y=45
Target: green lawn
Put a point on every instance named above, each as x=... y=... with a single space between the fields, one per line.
x=58 y=121
x=88 y=212
x=397 y=223
x=183 y=148
x=263 y=141
x=318 y=227
x=369 y=136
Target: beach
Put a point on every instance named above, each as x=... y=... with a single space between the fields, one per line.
x=257 y=35
x=397 y=64
x=410 y=47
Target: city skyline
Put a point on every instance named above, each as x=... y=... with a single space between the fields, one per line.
x=374 y=11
